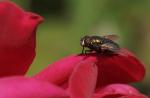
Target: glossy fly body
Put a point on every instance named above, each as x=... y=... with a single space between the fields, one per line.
x=100 y=44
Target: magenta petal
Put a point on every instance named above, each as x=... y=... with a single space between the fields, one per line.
x=17 y=39
x=21 y=87
x=59 y=71
x=116 y=91
x=121 y=68
x=135 y=96
x=83 y=80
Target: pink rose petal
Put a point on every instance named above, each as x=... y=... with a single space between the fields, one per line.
x=83 y=80
x=117 y=91
x=121 y=68
x=17 y=39
x=135 y=96
x=21 y=87
x=60 y=71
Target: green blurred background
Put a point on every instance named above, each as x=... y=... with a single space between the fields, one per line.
x=66 y=21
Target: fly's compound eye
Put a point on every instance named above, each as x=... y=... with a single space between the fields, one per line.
x=83 y=42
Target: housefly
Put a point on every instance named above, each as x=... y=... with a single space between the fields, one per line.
x=100 y=44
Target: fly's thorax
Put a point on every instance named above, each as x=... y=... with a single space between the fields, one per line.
x=90 y=41
x=95 y=42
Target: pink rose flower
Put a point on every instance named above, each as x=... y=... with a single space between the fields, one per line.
x=121 y=68
x=76 y=76
x=95 y=75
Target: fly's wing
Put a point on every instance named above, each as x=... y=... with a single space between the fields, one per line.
x=110 y=47
x=112 y=37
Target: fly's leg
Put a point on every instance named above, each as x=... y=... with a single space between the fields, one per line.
x=83 y=50
x=88 y=51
